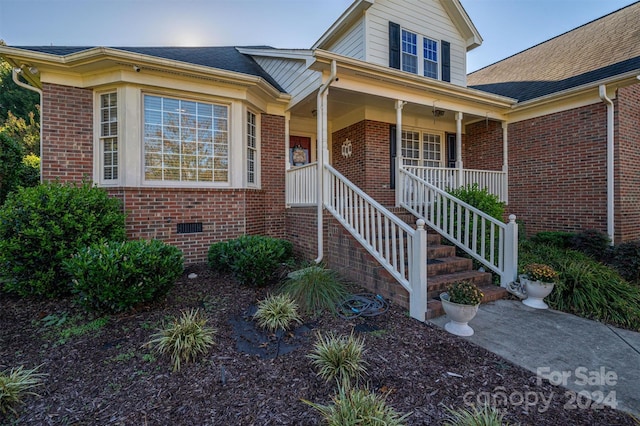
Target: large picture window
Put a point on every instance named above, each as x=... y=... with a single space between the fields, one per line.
x=109 y=135
x=185 y=141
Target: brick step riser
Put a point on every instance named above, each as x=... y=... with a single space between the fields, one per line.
x=434 y=289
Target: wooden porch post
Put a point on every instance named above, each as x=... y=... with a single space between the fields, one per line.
x=399 y=105
x=459 y=164
x=505 y=163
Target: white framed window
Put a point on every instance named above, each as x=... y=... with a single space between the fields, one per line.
x=252 y=148
x=423 y=62
x=409 y=51
x=430 y=55
x=109 y=136
x=185 y=140
x=421 y=149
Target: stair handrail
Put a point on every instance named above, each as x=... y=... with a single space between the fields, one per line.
x=439 y=210
x=385 y=236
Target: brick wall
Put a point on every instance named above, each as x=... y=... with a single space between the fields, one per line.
x=67 y=142
x=273 y=169
x=482 y=146
x=627 y=170
x=369 y=165
x=557 y=171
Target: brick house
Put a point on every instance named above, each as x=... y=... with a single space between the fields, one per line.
x=340 y=147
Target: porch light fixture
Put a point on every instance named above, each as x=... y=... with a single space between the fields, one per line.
x=438 y=112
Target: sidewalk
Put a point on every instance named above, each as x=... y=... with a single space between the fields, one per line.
x=582 y=355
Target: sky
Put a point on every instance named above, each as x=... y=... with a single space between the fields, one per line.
x=506 y=26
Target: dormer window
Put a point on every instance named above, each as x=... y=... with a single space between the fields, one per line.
x=418 y=54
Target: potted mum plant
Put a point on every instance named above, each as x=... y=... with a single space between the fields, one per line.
x=460 y=303
x=538 y=281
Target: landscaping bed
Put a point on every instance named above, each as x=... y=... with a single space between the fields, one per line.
x=100 y=370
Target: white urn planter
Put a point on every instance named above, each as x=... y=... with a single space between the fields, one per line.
x=459 y=316
x=536 y=291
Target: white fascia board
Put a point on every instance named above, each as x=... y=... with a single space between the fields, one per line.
x=463 y=22
x=348 y=17
x=305 y=55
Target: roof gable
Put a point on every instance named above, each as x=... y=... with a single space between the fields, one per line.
x=600 y=49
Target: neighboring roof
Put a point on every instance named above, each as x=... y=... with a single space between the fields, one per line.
x=600 y=49
x=226 y=58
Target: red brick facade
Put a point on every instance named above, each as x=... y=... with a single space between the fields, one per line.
x=67 y=133
x=627 y=171
x=482 y=146
x=156 y=212
x=557 y=170
x=369 y=165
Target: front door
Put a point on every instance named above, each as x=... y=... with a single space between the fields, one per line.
x=451 y=150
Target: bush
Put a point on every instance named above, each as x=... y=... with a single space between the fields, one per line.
x=253 y=259
x=481 y=199
x=44 y=225
x=15 y=384
x=593 y=243
x=340 y=358
x=315 y=289
x=352 y=407
x=184 y=339
x=115 y=276
x=586 y=287
x=558 y=239
x=10 y=165
x=625 y=259
x=476 y=416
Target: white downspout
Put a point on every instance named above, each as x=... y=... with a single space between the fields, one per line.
x=321 y=145
x=610 y=176
x=14 y=75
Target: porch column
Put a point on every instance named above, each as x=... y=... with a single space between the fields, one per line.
x=399 y=105
x=459 y=164
x=505 y=163
x=287 y=123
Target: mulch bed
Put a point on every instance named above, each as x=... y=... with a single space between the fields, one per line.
x=109 y=377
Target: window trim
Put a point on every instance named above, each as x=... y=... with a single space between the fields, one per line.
x=420 y=57
x=256 y=183
x=421 y=134
x=98 y=160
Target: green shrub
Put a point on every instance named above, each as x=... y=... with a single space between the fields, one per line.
x=476 y=416
x=559 y=239
x=481 y=199
x=115 y=276
x=358 y=407
x=10 y=165
x=44 y=225
x=625 y=259
x=253 y=259
x=339 y=357
x=184 y=339
x=16 y=383
x=315 y=289
x=586 y=287
x=277 y=312
x=593 y=243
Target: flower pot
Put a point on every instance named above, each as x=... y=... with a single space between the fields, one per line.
x=536 y=292
x=459 y=316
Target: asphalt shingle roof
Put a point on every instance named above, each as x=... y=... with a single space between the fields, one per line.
x=599 y=49
x=225 y=58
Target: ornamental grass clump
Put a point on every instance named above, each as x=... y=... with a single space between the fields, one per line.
x=185 y=338
x=464 y=293
x=361 y=407
x=475 y=416
x=16 y=383
x=277 y=312
x=339 y=357
x=540 y=272
x=315 y=289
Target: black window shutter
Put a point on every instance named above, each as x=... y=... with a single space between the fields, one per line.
x=394 y=45
x=393 y=149
x=446 y=61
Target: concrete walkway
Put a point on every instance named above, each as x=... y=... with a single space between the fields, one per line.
x=584 y=356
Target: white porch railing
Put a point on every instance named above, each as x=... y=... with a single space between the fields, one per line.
x=399 y=248
x=301 y=185
x=486 y=239
x=449 y=178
